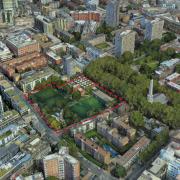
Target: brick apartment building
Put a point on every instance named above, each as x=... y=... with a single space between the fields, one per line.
x=92 y=148
x=21 y=44
x=86 y=16
x=24 y=63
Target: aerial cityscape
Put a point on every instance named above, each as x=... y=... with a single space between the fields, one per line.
x=89 y=89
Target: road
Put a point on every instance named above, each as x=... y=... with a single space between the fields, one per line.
x=138 y=171
x=95 y=169
x=49 y=132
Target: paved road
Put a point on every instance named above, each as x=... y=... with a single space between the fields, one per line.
x=49 y=132
x=137 y=172
x=95 y=169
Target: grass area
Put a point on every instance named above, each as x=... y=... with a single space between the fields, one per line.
x=52 y=101
x=87 y=106
x=103 y=45
x=4 y=171
x=8 y=133
x=48 y=98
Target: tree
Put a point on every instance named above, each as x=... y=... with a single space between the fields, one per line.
x=55 y=124
x=77 y=36
x=127 y=57
x=51 y=178
x=137 y=119
x=178 y=68
x=76 y=95
x=119 y=171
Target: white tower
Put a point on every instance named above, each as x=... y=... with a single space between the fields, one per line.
x=1 y=106
x=150 y=94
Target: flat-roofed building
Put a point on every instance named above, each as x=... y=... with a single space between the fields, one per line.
x=71 y=168
x=131 y=155
x=112 y=134
x=21 y=44
x=13 y=97
x=148 y=175
x=5 y=53
x=124 y=127
x=158 y=168
x=54 y=166
x=103 y=97
x=154 y=29
x=31 y=79
x=92 y=148
x=124 y=41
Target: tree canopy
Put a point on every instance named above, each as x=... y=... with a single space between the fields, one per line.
x=134 y=87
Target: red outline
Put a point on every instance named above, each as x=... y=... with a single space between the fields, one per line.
x=60 y=131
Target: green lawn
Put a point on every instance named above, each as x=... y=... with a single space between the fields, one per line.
x=48 y=98
x=87 y=106
x=103 y=45
x=52 y=100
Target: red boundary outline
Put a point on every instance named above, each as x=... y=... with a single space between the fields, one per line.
x=61 y=131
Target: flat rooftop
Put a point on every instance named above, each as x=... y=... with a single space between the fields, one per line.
x=21 y=39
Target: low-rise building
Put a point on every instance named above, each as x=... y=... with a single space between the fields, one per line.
x=166 y=68
x=124 y=127
x=21 y=44
x=173 y=81
x=93 y=149
x=158 y=168
x=147 y=175
x=106 y=99
x=5 y=53
x=31 y=79
x=11 y=95
x=37 y=147
x=112 y=134
x=83 y=127
x=131 y=155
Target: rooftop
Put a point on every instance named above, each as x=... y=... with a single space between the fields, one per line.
x=21 y=39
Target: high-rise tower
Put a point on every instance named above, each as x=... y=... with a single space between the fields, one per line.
x=8 y=10
x=112 y=13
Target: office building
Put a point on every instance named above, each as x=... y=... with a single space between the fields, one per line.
x=22 y=44
x=70 y=66
x=44 y=24
x=124 y=41
x=71 y=168
x=8 y=10
x=171 y=155
x=112 y=13
x=154 y=29
x=54 y=166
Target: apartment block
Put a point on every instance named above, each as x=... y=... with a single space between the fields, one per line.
x=124 y=41
x=92 y=148
x=124 y=127
x=112 y=134
x=54 y=166
x=154 y=29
